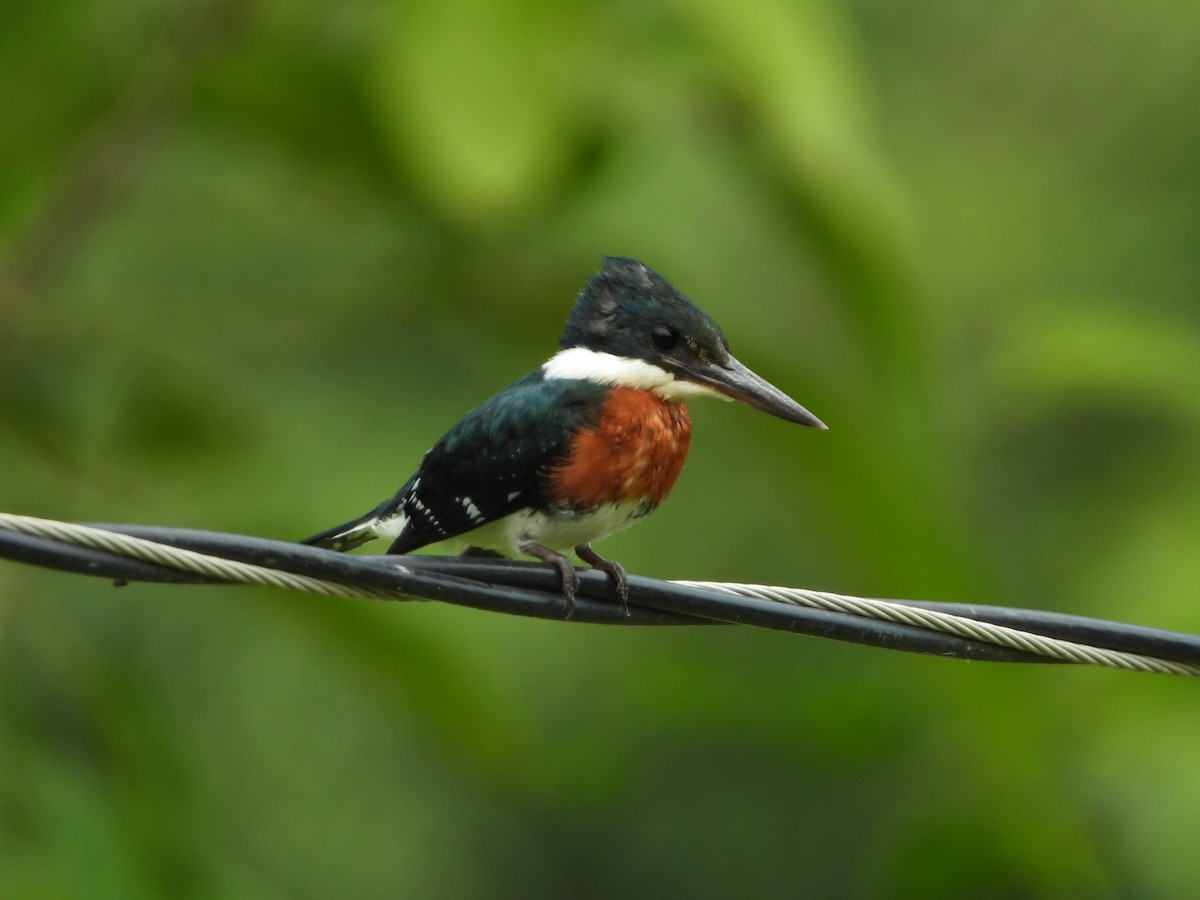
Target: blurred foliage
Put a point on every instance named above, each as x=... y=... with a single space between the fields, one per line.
x=255 y=257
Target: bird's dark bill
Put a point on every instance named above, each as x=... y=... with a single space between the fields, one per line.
x=737 y=382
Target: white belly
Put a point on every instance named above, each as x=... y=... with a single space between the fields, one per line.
x=558 y=532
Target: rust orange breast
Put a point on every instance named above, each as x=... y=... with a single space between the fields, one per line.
x=635 y=451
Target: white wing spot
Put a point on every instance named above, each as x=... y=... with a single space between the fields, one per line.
x=473 y=512
x=427 y=512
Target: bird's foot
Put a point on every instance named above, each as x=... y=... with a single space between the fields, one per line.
x=614 y=570
x=570 y=578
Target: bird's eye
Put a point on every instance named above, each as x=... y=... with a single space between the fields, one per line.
x=664 y=337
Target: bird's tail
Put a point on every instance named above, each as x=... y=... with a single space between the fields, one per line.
x=348 y=535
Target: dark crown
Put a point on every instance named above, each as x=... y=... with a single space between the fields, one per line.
x=630 y=310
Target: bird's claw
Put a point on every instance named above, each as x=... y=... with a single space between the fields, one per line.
x=614 y=570
x=570 y=578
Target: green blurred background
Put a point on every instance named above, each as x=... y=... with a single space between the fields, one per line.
x=256 y=257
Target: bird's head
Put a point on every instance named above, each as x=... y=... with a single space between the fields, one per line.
x=631 y=327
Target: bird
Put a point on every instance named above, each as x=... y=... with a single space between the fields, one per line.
x=587 y=444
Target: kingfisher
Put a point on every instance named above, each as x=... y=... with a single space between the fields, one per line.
x=582 y=447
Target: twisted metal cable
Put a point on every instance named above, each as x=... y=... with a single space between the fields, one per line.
x=210 y=567
x=510 y=590
x=1002 y=635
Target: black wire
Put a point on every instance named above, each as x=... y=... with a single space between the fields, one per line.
x=718 y=606
x=413 y=575
x=526 y=589
x=50 y=554
x=1159 y=643
x=532 y=589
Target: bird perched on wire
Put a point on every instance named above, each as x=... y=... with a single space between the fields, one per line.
x=582 y=447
